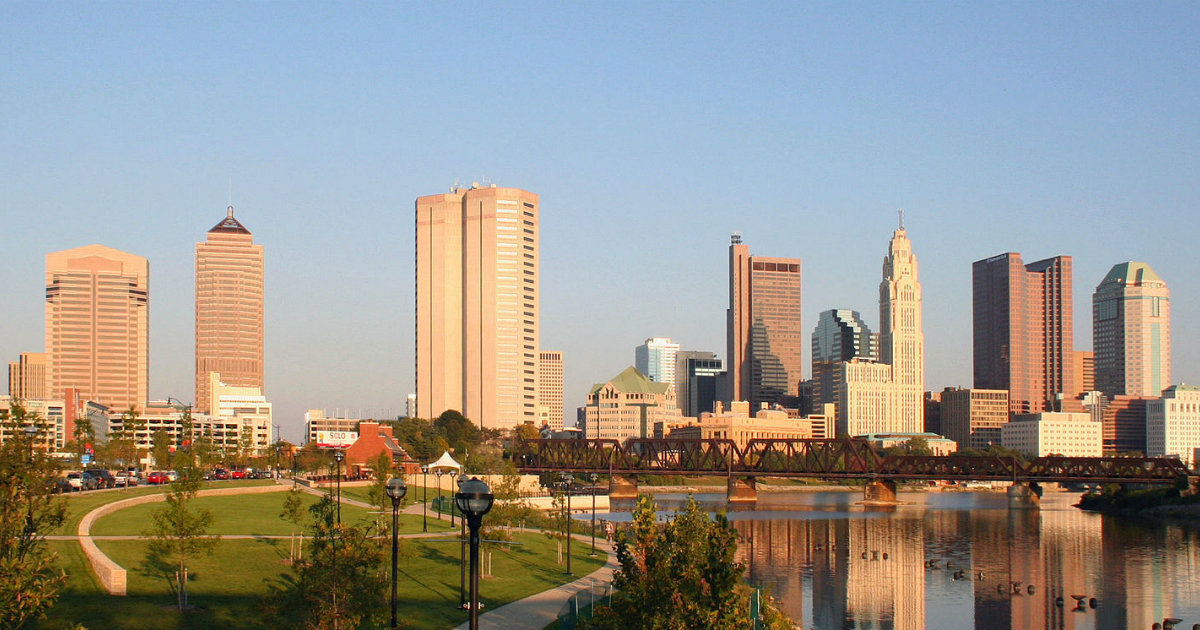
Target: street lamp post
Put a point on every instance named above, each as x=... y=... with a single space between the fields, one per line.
x=566 y=481
x=338 y=456
x=396 y=489
x=439 y=472
x=453 y=474
x=462 y=554
x=594 y=478
x=424 y=498
x=474 y=499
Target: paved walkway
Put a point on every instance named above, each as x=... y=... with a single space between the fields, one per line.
x=540 y=610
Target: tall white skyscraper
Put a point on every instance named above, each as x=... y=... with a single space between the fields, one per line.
x=902 y=342
x=656 y=359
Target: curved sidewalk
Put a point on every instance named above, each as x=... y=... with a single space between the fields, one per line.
x=541 y=609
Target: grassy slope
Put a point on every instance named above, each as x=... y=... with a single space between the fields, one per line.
x=79 y=504
x=227 y=586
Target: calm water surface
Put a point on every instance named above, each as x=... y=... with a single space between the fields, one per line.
x=963 y=560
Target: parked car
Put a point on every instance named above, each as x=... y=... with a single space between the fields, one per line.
x=172 y=476
x=237 y=474
x=220 y=473
x=80 y=481
x=104 y=479
x=157 y=477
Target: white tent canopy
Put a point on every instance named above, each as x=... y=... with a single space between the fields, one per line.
x=445 y=461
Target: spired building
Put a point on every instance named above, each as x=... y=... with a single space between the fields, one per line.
x=477 y=305
x=98 y=325
x=1023 y=326
x=763 y=329
x=901 y=339
x=1131 y=332
x=229 y=310
x=888 y=395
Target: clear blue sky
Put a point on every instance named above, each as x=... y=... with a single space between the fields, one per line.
x=650 y=130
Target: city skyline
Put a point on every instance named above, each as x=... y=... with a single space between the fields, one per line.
x=649 y=156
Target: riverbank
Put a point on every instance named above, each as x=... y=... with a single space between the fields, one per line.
x=1157 y=504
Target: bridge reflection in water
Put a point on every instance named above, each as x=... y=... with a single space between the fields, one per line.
x=963 y=560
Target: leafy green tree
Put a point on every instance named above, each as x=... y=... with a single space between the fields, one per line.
x=460 y=433
x=204 y=450
x=132 y=425
x=30 y=579
x=509 y=508
x=293 y=512
x=179 y=531
x=381 y=466
x=160 y=449
x=340 y=587
x=680 y=575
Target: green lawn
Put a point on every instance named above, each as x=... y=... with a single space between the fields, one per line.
x=244 y=514
x=80 y=503
x=226 y=588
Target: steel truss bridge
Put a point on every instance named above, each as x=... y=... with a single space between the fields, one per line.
x=847 y=458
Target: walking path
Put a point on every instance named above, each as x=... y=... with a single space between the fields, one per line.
x=541 y=609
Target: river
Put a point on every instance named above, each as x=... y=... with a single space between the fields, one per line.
x=961 y=560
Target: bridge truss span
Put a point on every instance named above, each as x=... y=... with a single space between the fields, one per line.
x=846 y=458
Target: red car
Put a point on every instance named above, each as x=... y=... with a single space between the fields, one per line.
x=157 y=477
x=237 y=474
x=220 y=473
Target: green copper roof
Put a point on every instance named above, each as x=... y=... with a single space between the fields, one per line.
x=1133 y=273
x=633 y=381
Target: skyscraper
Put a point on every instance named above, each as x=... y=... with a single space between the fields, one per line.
x=477 y=305
x=1131 y=332
x=550 y=388
x=696 y=381
x=840 y=335
x=887 y=395
x=1023 y=331
x=229 y=309
x=901 y=338
x=656 y=359
x=763 y=327
x=27 y=377
x=98 y=325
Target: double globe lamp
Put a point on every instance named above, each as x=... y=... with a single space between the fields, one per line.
x=395 y=489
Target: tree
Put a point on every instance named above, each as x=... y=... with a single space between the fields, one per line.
x=179 y=531
x=509 y=508
x=160 y=448
x=29 y=578
x=381 y=466
x=339 y=587
x=132 y=424
x=461 y=434
x=677 y=576
x=293 y=512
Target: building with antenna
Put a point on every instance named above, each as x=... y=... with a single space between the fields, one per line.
x=764 y=332
x=229 y=310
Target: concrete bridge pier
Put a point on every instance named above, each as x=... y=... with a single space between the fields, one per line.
x=623 y=487
x=742 y=490
x=1024 y=496
x=880 y=493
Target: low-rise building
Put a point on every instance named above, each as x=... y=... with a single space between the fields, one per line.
x=937 y=444
x=373 y=439
x=1173 y=424
x=1071 y=434
x=628 y=406
x=738 y=425
x=316 y=421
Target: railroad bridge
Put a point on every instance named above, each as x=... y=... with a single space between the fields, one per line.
x=845 y=458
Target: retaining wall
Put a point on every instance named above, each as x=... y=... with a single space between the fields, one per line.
x=112 y=576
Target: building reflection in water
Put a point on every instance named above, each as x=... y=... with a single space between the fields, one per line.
x=930 y=564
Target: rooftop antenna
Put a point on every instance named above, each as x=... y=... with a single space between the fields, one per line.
x=900 y=211
x=230 y=196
